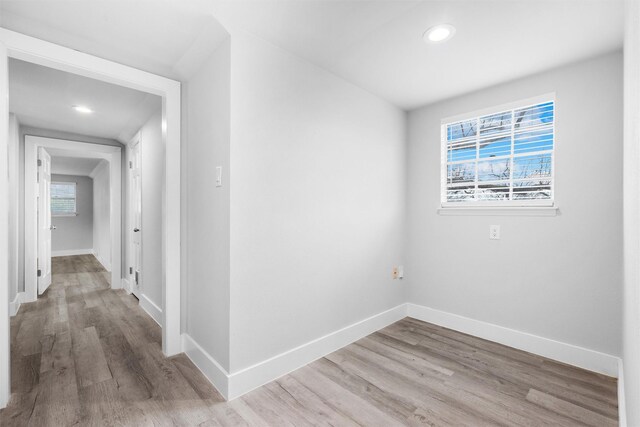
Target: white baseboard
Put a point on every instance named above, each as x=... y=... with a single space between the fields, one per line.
x=622 y=403
x=233 y=385
x=567 y=353
x=14 y=305
x=216 y=374
x=152 y=310
x=71 y=252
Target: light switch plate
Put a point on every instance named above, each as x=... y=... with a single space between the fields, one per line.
x=494 y=232
x=218 y=176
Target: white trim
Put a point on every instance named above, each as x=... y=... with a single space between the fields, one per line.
x=112 y=155
x=234 y=385
x=210 y=368
x=622 y=402
x=567 y=353
x=5 y=353
x=14 y=306
x=72 y=252
x=500 y=211
x=152 y=310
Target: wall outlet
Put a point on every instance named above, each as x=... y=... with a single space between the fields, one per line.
x=494 y=232
x=397 y=272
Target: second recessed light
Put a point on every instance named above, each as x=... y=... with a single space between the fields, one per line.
x=439 y=33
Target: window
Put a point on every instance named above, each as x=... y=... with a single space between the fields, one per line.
x=504 y=157
x=63 y=198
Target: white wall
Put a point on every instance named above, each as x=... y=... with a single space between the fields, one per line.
x=13 y=154
x=74 y=233
x=556 y=277
x=101 y=215
x=631 y=307
x=207 y=215
x=317 y=202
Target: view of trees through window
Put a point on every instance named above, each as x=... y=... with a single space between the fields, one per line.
x=505 y=156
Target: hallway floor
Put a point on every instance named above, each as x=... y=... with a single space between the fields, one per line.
x=84 y=354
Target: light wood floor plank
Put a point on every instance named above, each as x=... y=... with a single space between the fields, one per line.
x=84 y=354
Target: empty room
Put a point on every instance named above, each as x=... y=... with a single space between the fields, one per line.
x=320 y=212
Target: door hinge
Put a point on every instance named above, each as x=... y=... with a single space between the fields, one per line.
x=130 y=164
x=39 y=273
x=39 y=162
x=137 y=278
x=130 y=270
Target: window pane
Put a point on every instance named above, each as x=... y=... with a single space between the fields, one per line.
x=532 y=167
x=62 y=190
x=461 y=130
x=494 y=170
x=495 y=123
x=461 y=172
x=535 y=140
x=535 y=115
x=63 y=198
x=460 y=194
x=531 y=190
x=494 y=147
x=502 y=156
x=493 y=192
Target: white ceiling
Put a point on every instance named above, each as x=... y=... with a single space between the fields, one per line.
x=42 y=97
x=62 y=165
x=376 y=44
x=165 y=37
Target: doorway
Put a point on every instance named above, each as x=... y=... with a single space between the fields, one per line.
x=18 y=46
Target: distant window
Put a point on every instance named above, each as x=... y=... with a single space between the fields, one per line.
x=504 y=157
x=63 y=198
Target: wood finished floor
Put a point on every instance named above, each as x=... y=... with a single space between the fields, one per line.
x=87 y=355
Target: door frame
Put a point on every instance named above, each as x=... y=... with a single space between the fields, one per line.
x=30 y=49
x=111 y=154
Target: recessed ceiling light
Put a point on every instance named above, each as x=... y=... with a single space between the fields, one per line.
x=82 y=109
x=439 y=33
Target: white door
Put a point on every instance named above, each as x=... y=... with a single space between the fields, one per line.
x=44 y=220
x=136 y=217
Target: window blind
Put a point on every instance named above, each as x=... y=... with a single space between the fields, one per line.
x=63 y=198
x=502 y=158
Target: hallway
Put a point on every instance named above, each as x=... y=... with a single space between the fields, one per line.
x=86 y=354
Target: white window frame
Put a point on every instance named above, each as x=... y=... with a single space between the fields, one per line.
x=499 y=204
x=75 y=199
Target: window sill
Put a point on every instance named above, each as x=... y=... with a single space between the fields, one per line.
x=500 y=211
x=63 y=215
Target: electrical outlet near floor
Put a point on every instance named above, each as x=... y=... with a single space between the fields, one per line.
x=397 y=272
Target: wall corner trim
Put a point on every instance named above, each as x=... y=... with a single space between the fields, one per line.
x=152 y=310
x=212 y=370
x=567 y=353
x=622 y=403
x=14 y=305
